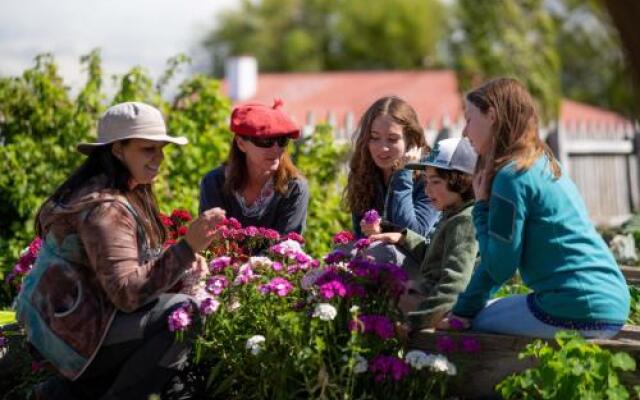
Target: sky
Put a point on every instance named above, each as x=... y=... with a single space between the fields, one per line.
x=128 y=32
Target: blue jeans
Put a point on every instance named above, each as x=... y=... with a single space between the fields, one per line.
x=511 y=316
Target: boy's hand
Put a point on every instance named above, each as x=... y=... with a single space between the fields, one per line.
x=453 y=323
x=370 y=229
x=388 y=237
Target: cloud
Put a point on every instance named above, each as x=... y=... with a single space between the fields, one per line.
x=128 y=32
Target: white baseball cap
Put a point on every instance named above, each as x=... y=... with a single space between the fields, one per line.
x=131 y=120
x=453 y=154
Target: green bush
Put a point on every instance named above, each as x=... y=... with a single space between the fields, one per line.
x=575 y=369
x=41 y=123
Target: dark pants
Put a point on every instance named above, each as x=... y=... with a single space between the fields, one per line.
x=139 y=355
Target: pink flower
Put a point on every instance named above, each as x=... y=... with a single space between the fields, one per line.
x=208 y=306
x=276 y=266
x=371 y=217
x=470 y=344
x=218 y=264
x=179 y=319
x=294 y=236
x=445 y=344
x=280 y=286
x=245 y=275
x=343 y=237
x=216 y=284
x=251 y=231
x=332 y=288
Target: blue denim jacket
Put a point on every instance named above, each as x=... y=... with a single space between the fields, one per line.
x=403 y=204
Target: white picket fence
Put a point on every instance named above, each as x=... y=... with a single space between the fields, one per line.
x=603 y=160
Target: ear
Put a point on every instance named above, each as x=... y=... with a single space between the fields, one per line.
x=116 y=150
x=241 y=144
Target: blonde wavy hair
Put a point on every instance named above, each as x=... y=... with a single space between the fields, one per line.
x=359 y=194
x=515 y=134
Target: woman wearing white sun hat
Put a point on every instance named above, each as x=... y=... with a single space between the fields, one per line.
x=95 y=304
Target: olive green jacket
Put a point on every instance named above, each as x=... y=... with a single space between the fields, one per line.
x=448 y=260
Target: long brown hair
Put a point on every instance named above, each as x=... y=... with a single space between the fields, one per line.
x=515 y=131
x=238 y=174
x=102 y=163
x=359 y=194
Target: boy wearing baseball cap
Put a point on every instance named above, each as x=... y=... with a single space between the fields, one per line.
x=449 y=254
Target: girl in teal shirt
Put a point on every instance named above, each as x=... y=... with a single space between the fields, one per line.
x=530 y=217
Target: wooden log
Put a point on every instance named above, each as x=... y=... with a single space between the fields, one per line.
x=497 y=358
x=631 y=274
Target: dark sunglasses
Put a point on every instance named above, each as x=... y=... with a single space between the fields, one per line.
x=266 y=143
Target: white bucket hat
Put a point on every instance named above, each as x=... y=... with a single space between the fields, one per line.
x=131 y=120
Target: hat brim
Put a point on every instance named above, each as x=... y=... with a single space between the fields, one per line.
x=421 y=166
x=87 y=148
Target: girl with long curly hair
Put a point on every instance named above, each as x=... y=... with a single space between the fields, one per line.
x=389 y=136
x=529 y=217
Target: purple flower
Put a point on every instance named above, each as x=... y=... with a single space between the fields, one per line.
x=209 y=306
x=385 y=367
x=179 y=319
x=362 y=243
x=218 y=264
x=333 y=288
x=335 y=256
x=379 y=325
x=216 y=284
x=3 y=341
x=371 y=217
x=245 y=275
x=445 y=344
x=280 y=286
x=470 y=344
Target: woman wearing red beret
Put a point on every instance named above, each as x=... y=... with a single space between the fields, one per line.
x=258 y=183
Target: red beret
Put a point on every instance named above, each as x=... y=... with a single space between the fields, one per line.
x=258 y=120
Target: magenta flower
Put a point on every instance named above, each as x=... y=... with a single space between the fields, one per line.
x=280 y=286
x=218 y=264
x=216 y=284
x=343 y=237
x=333 y=288
x=371 y=217
x=209 y=306
x=385 y=367
x=379 y=325
x=276 y=266
x=335 y=257
x=470 y=344
x=445 y=344
x=456 y=324
x=362 y=243
x=179 y=319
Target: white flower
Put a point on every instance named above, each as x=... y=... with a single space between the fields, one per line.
x=440 y=363
x=234 y=305
x=286 y=247
x=361 y=365
x=325 y=312
x=254 y=344
x=354 y=309
x=260 y=262
x=418 y=359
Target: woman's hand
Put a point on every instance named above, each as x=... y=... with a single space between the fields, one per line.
x=370 y=229
x=202 y=229
x=388 y=237
x=411 y=155
x=453 y=323
x=480 y=185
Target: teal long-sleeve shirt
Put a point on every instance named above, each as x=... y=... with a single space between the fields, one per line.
x=539 y=225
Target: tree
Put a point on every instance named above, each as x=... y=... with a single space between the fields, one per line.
x=625 y=15
x=314 y=35
x=594 y=69
x=514 y=38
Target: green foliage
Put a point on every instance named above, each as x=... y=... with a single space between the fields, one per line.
x=574 y=370
x=293 y=35
x=322 y=162
x=508 y=38
x=41 y=124
x=513 y=286
x=634 y=314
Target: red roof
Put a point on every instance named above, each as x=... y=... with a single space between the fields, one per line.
x=434 y=94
